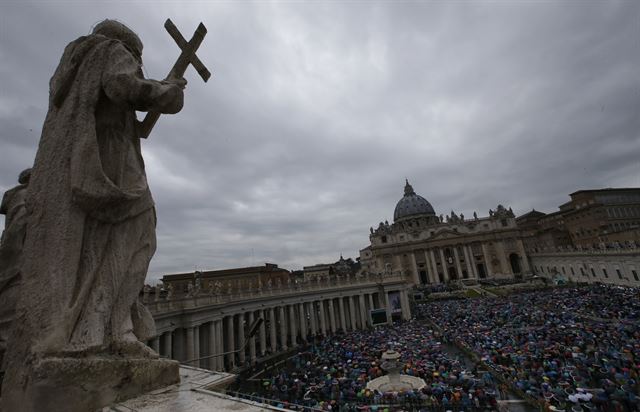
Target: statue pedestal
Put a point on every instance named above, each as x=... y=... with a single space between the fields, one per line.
x=88 y=384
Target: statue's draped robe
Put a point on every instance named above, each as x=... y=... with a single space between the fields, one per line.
x=91 y=229
x=13 y=207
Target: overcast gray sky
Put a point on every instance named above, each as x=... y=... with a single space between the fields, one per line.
x=316 y=113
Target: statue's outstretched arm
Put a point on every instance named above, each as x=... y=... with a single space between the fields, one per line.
x=122 y=82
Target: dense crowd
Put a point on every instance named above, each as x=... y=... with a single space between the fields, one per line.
x=568 y=348
x=333 y=374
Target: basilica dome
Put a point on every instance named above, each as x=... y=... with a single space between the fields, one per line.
x=412 y=205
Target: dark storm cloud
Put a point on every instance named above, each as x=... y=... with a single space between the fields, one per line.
x=317 y=112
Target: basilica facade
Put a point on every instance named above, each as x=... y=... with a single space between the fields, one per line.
x=432 y=249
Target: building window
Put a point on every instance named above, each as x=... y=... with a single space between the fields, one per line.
x=582 y=272
x=563 y=271
x=503 y=222
x=572 y=272
x=619 y=274
x=635 y=275
x=604 y=272
x=383 y=239
x=593 y=272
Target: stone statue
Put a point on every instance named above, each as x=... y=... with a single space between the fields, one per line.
x=190 y=289
x=15 y=230
x=475 y=215
x=461 y=217
x=91 y=234
x=169 y=291
x=146 y=289
x=441 y=218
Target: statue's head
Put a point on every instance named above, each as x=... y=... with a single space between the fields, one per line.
x=24 y=176
x=115 y=30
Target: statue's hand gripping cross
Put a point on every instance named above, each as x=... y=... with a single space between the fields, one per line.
x=186 y=58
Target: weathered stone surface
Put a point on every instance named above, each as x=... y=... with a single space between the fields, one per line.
x=87 y=384
x=15 y=229
x=90 y=232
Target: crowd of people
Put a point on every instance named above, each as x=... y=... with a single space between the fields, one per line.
x=333 y=374
x=573 y=349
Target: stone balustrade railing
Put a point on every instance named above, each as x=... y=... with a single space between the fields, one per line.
x=208 y=297
x=605 y=250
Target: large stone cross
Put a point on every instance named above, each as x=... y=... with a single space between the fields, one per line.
x=186 y=58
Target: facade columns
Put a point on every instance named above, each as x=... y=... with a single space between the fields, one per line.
x=472 y=259
x=525 y=261
x=436 y=277
x=387 y=306
x=404 y=302
x=504 y=263
x=487 y=259
x=427 y=263
x=414 y=269
x=272 y=331
x=263 y=333
x=457 y=258
x=443 y=263
x=467 y=260
x=231 y=357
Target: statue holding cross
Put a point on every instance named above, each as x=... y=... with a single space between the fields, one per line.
x=90 y=233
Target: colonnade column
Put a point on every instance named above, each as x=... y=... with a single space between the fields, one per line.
x=272 y=330
x=213 y=349
x=312 y=316
x=241 y=346
x=387 y=305
x=504 y=263
x=263 y=333
x=190 y=346
x=231 y=360
x=292 y=326
x=436 y=278
x=252 y=341
x=457 y=258
x=196 y=346
x=332 y=316
x=363 y=311
x=219 y=345
x=283 y=329
x=167 y=344
x=443 y=263
x=352 y=312
x=343 y=318
x=303 y=321
x=323 y=318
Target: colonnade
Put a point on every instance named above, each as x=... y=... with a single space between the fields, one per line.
x=221 y=343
